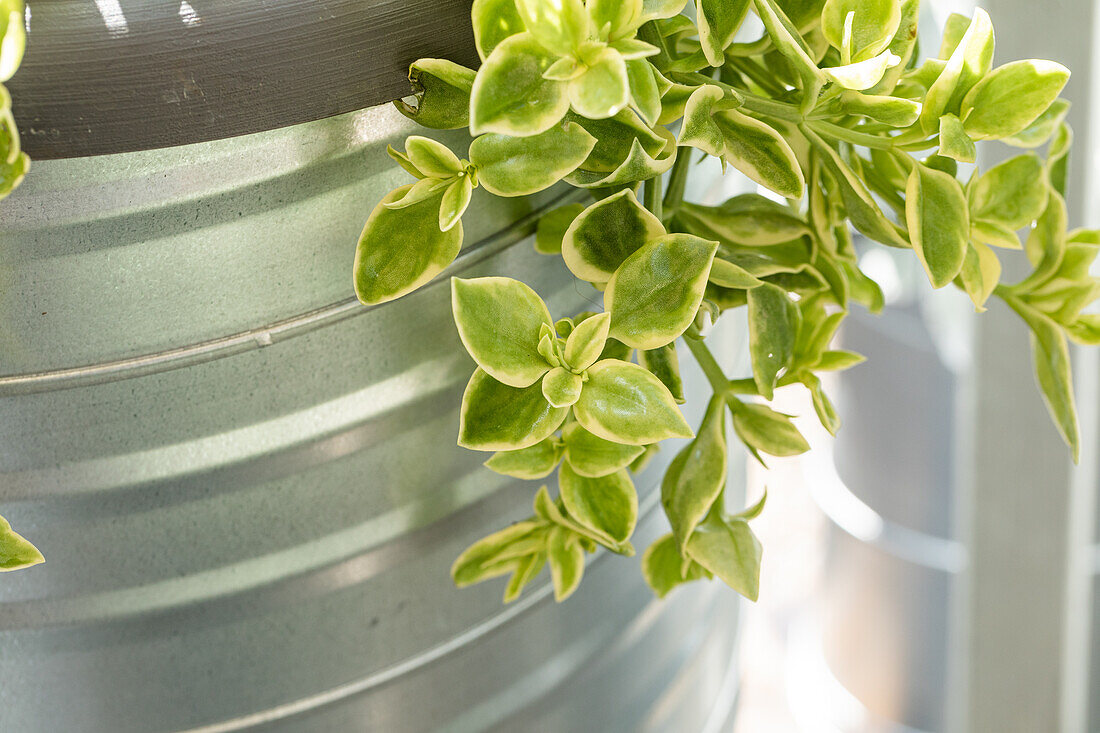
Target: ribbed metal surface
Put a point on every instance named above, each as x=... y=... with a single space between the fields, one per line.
x=893 y=557
x=103 y=76
x=247 y=487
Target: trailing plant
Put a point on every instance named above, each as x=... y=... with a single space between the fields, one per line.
x=15 y=551
x=833 y=113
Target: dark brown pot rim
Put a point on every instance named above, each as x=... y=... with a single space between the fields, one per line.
x=115 y=76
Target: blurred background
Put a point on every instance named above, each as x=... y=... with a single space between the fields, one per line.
x=932 y=568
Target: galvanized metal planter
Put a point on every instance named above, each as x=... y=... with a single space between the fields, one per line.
x=247 y=485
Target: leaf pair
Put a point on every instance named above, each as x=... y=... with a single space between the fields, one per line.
x=587 y=455
x=722 y=546
x=546 y=58
x=654 y=282
x=441 y=173
x=627 y=151
x=507 y=329
x=524 y=548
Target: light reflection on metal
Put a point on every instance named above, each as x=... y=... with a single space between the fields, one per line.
x=113 y=17
x=859 y=520
x=188 y=15
x=818 y=701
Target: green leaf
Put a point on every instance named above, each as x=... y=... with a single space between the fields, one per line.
x=493 y=22
x=1012 y=194
x=527 y=569
x=747 y=144
x=835 y=361
x=728 y=275
x=476 y=563
x=1042 y=129
x=500 y=322
x=645 y=94
x=664 y=363
x=1052 y=370
x=566 y=558
x=624 y=403
x=663 y=566
x=640 y=463
x=627 y=151
x=790 y=44
x=730 y=550
x=1085 y=330
x=655 y=293
x=601 y=238
x=994 y=234
x=658 y=9
x=537 y=461
x=561 y=388
x=432 y=158
x=696 y=476
x=969 y=62
x=823 y=406
x=442 y=91
x=591 y=455
x=456 y=198
x=1046 y=244
x=402 y=249
x=765 y=430
x=746 y=219
x=552 y=227
x=497 y=417
x=939 y=223
x=617 y=18
x=16 y=553
x=559 y=26
x=873 y=24
x=603 y=90
x=421 y=191
x=615 y=139
x=13 y=38
x=954 y=28
x=519 y=166
x=586 y=342
x=954 y=142
x=904 y=46
x=864 y=74
x=980 y=273
x=607 y=505
x=510 y=95
x=718 y=22
x=864 y=214
x=1011 y=97
x=772 y=328
x=890 y=111
x=1058 y=158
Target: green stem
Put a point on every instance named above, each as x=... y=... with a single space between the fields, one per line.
x=854 y=137
x=921 y=144
x=771 y=108
x=745 y=386
x=752 y=102
x=709 y=365
x=694 y=78
x=653 y=196
x=677 y=184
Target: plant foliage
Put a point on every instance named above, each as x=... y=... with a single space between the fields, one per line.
x=833 y=113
